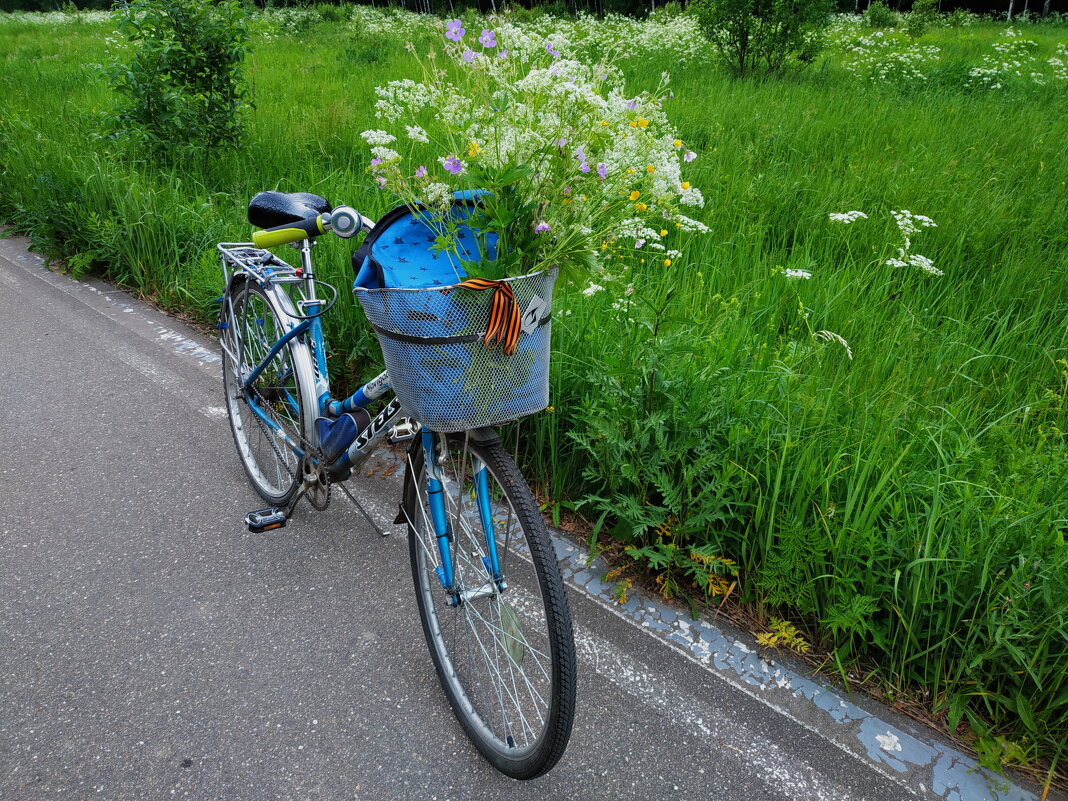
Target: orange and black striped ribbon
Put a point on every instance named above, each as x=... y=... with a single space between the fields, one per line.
x=505 y=320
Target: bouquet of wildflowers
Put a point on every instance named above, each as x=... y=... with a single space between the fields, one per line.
x=569 y=164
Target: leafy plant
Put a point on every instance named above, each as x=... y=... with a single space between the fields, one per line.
x=783 y=634
x=180 y=80
x=766 y=35
x=923 y=15
x=333 y=13
x=879 y=15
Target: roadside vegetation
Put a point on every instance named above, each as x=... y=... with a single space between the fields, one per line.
x=854 y=424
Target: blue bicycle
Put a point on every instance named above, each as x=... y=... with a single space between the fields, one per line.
x=487 y=582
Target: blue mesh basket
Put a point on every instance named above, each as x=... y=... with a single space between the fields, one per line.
x=444 y=375
x=432 y=330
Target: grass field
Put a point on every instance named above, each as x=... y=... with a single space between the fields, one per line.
x=881 y=451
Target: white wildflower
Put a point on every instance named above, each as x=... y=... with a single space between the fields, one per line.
x=437 y=194
x=847 y=217
x=799 y=274
x=417 y=133
x=924 y=263
x=374 y=137
x=592 y=289
x=385 y=154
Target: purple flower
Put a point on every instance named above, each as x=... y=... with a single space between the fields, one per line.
x=502 y=54
x=454 y=29
x=561 y=142
x=553 y=53
x=452 y=165
x=638 y=243
x=375 y=163
x=421 y=172
x=602 y=171
x=580 y=154
x=584 y=166
x=542 y=227
x=488 y=39
x=690 y=156
x=470 y=55
x=632 y=104
x=381 y=183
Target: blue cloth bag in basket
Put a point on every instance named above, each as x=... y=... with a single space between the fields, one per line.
x=433 y=331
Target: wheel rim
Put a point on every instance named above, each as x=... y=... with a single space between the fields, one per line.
x=495 y=651
x=253 y=329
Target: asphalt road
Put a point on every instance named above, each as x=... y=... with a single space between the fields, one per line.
x=152 y=648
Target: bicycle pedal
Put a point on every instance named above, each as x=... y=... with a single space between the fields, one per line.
x=405 y=430
x=265 y=519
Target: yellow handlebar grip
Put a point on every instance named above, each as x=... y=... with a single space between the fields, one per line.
x=277 y=236
x=293 y=232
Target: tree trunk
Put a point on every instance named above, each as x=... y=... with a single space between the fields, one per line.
x=1045 y=9
x=1011 y=4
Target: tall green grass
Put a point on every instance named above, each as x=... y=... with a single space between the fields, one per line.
x=906 y=506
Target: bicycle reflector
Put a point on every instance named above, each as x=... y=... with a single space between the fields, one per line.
x=265 y=519
x=343 y=221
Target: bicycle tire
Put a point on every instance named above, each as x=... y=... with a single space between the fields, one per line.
x=534 y=591
x=253 y=322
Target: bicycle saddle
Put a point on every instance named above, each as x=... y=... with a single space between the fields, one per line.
x=269 y=209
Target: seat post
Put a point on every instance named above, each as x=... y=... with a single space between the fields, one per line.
x=307 y=267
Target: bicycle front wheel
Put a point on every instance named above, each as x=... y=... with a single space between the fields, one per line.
x=267 y=418
x=503 y=648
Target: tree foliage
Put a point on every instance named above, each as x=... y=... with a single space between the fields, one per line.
x=763 y=35
x=180 y=81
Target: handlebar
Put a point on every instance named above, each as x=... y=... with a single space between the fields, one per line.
x=343 y=221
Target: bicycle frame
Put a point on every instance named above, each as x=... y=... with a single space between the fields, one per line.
x=275 y=277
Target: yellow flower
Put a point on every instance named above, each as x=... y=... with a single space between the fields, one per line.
x=635 y=194
x=677 y=143
x=667 y=262
x=642 y=122
x=663 y=232
x=604 y=245
x=604 y=123
x=640 y=206
x=649 y=168
x=633 y=123
x=630 y=171
x=550 y=409
x=473 y=149
x=643 y=261
x=685 y=185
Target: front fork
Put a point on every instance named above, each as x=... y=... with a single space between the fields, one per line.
x=435 y=493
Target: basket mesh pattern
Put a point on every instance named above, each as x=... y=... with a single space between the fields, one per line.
x=456 y=386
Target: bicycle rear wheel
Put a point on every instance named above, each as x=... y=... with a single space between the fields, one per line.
x=274 y=407
x=505 y=657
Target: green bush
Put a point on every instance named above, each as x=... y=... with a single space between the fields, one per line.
x=924 y=14
x=763 y=34
x=959 y=17
x=180 y=82
x=331 y=13
x=879 y=15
